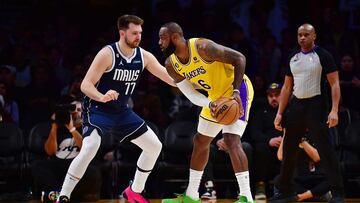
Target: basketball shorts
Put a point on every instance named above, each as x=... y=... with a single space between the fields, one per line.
x=208 y=125
x=125 y=125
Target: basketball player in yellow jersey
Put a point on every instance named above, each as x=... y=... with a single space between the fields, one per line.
x=201 y=63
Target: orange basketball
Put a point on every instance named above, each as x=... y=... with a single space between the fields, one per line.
x=227 y=111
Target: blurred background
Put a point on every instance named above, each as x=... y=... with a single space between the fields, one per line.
x=46 y=47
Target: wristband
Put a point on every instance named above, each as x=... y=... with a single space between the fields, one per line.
x=209 y=105
x=72 y=129
x=236 y=90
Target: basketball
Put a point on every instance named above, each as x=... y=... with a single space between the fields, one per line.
x=227 y=111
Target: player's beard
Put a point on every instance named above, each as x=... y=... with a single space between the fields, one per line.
x=131 y=44
x=169 y=50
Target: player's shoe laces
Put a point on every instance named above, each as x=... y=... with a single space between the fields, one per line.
x=133 y=197
x=242 y=199
x=181 y=198
x=63 y=199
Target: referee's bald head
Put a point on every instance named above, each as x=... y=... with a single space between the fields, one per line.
x=307 y=26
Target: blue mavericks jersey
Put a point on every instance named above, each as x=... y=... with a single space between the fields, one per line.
x=121 y=77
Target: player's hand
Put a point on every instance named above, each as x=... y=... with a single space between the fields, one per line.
x=221 y=144
x=277 y=122
x=236 y=96
x=109 y=96
x=275 y=141
x=212 y=106
x=332 y=119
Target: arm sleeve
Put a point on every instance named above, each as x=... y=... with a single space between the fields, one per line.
x=292 y=56
x=194 y=96
x=327 y=61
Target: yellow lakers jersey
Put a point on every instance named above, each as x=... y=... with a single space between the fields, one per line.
x=214 y=77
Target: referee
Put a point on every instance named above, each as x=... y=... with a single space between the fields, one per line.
x=305 y=80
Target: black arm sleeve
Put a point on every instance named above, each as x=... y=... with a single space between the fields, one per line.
x=326 y=60
x=292 y=56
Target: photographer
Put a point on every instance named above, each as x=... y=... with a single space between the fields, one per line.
x=62 y=146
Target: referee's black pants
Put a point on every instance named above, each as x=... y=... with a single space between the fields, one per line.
x=300 y=115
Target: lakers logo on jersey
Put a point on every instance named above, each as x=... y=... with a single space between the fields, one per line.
x=194 y=73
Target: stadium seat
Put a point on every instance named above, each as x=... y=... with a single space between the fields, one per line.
x=173 y=167
x=37 y=138
x=350 y=158
x=11 y=157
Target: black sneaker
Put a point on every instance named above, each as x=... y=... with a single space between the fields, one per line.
x=337 y=200
x=210 y=193
x=63 y=199
x=260 y=191
x=337 y=197
x=283 y=198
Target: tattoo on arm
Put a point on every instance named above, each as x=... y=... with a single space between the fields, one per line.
x=216 y=52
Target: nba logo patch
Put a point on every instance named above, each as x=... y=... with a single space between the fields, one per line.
x=85 y=129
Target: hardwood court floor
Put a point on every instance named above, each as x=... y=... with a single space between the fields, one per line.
x=211 y=201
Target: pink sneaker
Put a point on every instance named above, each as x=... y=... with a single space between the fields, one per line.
x=133 y=197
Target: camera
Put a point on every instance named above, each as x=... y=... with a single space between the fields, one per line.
x=63 y=113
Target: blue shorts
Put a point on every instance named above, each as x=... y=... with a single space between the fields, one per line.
x=125 y=125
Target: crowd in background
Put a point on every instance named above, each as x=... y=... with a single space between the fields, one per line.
x=46 y=48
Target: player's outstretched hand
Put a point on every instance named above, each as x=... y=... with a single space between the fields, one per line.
x=110 y=95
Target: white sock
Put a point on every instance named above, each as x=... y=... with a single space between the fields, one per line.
x=194 y=183
x=69 y=185
x=151 y=147
x=79 y=165
x=139 y=180
x=244 y=185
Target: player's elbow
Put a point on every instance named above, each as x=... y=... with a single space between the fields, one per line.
x=240 y=61
x=242 y=58
x=83 y=86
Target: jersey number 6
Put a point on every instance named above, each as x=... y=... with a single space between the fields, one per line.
x=203 y=84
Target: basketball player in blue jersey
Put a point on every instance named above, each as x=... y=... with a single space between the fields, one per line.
x=219 y=71
x=108 y=85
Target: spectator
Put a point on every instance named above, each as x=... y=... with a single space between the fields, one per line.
x=310 y=182
x=266 y=141
x=62 y=146
x=8 y=108
x=349 y=83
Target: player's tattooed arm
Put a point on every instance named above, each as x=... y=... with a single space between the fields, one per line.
x=211 y=51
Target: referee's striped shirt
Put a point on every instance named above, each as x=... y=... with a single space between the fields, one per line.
x=309 y=71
